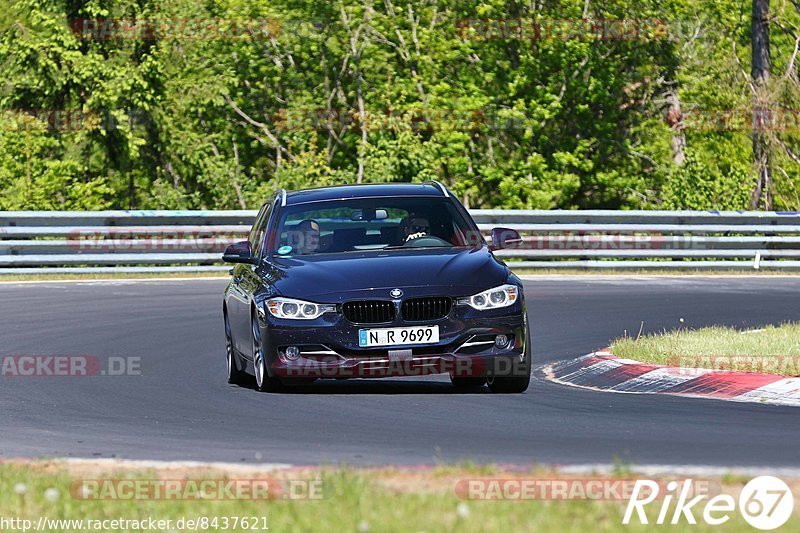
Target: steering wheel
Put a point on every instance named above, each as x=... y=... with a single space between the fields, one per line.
x=428 y=240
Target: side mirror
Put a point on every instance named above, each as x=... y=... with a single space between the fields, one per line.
x=505 y=238
x=239 y=252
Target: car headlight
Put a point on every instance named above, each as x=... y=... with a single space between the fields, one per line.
x=502 y=296
x=297 y=309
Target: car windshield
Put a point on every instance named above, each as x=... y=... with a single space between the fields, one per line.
x=365 y=224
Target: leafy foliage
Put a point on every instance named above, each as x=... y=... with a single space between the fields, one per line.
x=400 y=90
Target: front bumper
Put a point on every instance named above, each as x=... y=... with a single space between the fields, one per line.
x=329 y=346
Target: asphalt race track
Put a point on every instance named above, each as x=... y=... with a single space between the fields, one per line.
x=180 y=407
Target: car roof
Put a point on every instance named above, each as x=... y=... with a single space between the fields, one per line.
x=366 y=190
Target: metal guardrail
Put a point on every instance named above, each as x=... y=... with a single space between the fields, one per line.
x=158 y=241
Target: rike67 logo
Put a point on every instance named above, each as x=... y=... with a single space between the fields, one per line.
x=765 y=503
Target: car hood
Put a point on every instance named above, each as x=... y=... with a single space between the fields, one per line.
x=417 y=272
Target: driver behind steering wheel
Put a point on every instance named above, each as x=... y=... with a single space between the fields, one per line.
x=416 y=227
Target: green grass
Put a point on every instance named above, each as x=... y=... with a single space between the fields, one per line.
x=353 y=500
x=775 y=349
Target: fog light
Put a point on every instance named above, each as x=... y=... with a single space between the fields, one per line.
x=292 y=353
x=501 y=341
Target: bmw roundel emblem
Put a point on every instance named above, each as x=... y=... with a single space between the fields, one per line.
x=395 y=293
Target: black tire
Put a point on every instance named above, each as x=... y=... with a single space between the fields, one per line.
x=520 y=375
x=467 y=382
x=236 y=375
x=264 y=382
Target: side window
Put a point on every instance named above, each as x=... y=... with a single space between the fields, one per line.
x=252 y=236
x=259 y=228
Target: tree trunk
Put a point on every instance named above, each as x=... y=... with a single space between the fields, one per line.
x=762 y=193
x=675 y=122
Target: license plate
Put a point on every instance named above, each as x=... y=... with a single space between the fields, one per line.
x=398 y=336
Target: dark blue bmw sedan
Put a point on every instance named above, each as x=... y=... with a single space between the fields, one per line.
x=366 y=281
